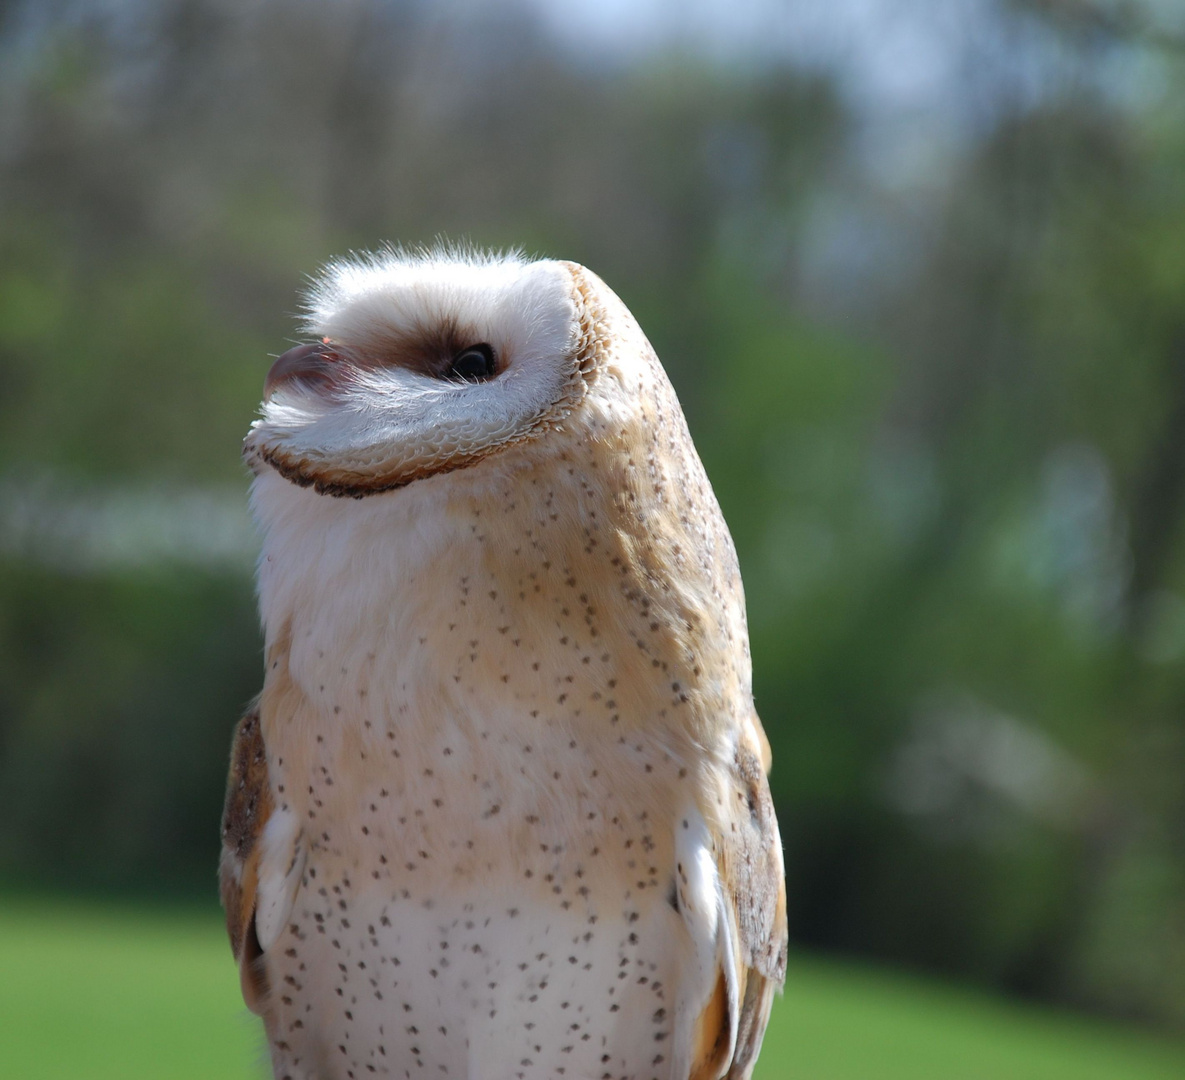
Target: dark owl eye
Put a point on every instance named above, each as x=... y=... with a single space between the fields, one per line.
x=473 y=364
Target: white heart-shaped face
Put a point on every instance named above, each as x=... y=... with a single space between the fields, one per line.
x=386 y=405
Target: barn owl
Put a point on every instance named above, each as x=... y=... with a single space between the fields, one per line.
x=501 y=810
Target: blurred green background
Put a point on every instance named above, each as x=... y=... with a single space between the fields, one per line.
x=917 y=271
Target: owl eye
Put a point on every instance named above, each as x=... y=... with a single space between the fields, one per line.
x=473 y=364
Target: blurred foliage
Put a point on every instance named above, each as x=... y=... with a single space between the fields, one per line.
x=115 y=691
x=943 y=406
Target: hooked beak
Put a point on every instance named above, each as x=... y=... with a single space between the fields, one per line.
x=314 y=365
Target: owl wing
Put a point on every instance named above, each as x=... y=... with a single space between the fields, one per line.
x=740 y=870
x=262 y=859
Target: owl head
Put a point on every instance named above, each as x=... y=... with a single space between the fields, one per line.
x=428 y=362
x=495 y=419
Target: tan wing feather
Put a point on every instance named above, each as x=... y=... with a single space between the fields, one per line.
x=751 y=872
x=246 y=812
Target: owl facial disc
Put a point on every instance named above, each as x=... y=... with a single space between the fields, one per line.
x=424 y=365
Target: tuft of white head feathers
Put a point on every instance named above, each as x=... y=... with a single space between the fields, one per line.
x=387 y=405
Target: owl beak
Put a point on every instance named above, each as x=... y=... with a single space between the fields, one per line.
x=312 y=365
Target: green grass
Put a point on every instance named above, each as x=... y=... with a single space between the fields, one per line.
x=836 y=1022
x=115 y=993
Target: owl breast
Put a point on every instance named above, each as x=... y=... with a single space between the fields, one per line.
x=487 y=816
x=429 y=952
